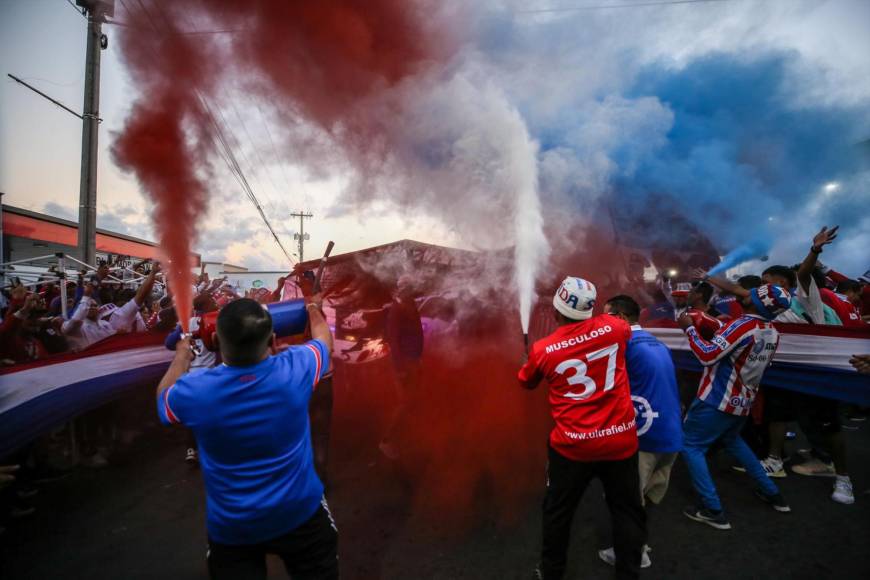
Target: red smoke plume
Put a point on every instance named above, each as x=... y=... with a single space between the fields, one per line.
x=315 y=61
x=326 y=57
x=167 y=139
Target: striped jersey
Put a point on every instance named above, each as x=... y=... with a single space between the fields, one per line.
x=734 y=361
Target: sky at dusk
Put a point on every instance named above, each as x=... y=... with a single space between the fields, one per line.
x=611 y=77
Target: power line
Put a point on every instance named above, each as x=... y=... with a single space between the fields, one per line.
x=76 y=8
x=606 y=6
x=235 y=168
x=274 y=147
x=41 y=94
x=259 y=157
x=305 y=196
x=177 y=32
x=227 y=153
x=191 y=25
x=148 y=15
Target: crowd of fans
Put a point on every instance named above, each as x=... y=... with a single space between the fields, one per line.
x=103 y=303
x=112 y=300
x=115 y=300
x=821 y=296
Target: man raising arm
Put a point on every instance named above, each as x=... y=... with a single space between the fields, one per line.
x=250 y=418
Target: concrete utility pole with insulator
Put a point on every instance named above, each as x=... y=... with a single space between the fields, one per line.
x=97 y=11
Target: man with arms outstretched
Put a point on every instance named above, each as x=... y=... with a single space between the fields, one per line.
x=250 y=418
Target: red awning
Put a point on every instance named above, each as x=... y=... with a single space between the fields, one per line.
x=33 y=226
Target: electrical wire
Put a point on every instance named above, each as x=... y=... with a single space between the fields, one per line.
x=80 y=11
x=235 y=168
x=227 y=153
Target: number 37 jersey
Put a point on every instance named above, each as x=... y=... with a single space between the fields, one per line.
x=584 y=365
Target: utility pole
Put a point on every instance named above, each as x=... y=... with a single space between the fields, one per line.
x=97 y=11
x=301 y=236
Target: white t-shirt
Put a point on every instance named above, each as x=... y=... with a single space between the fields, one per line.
x=93 y=331
x=811 y=302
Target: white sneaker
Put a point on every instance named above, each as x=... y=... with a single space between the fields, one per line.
x=843 y=491
x=610 y=557
x=773 y=467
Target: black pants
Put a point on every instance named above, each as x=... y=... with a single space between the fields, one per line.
x=566 y=482
x=310 y=552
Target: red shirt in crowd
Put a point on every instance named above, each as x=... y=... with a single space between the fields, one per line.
x=850 y=315
x=704 y=323
x=16 y=346
x=584 y=365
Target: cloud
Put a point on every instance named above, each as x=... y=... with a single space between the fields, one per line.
x=60 y=211
x=729 y=112
x=721 y=113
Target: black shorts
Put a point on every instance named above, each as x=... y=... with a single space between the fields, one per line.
x=310 y=552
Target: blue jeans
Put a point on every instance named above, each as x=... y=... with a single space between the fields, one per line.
x=704 y=425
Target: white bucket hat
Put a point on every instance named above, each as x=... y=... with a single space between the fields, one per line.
x=575 y=298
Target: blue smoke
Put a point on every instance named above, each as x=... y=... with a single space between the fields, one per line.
x=750 y=251
x=726 y=143
x=741 y=150
x=740 y=144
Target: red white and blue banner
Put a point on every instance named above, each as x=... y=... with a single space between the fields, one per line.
x=39 y=396
x=810 y=359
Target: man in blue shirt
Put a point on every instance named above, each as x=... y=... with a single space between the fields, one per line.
x=653 y=383
x=250 y=418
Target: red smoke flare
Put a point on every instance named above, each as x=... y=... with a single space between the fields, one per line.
x=314 y=60
x=167 y=139
x=326 y=57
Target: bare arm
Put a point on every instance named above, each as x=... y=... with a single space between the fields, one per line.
x=725 y=285
x=73 y=325
x=145 y=289
x=319 y=327
x=180 y=365
x=821 y=239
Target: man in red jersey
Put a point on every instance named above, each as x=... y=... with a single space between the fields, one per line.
x=846 y=302
x=583 y=362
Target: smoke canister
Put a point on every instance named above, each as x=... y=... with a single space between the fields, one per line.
x=288 y=318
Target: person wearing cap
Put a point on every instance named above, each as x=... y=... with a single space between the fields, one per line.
x=678 y=297
x=734 y=361
x=595 y=433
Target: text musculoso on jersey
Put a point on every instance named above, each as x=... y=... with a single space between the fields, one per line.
x=579 y=339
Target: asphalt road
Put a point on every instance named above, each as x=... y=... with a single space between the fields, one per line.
x=143 y=517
